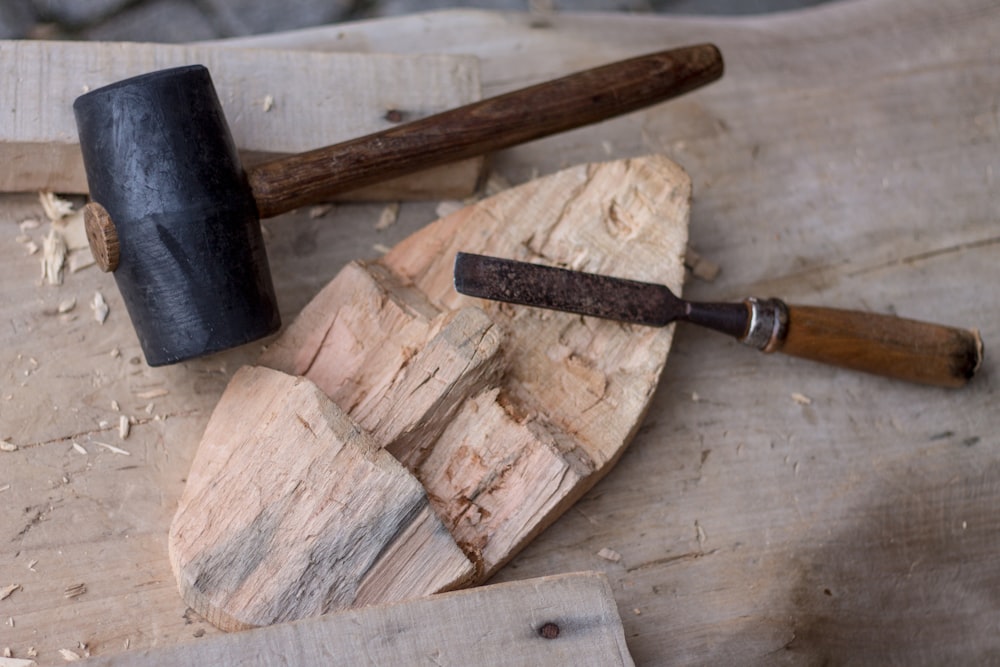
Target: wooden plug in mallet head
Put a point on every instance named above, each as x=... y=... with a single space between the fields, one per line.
x=176 y=218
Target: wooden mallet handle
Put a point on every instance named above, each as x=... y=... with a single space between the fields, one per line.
x=885 y=345
x=474 y=129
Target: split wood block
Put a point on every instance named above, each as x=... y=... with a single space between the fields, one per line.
x=569 y=619
x=503 y=415
x=284 y=495
x=277 y=102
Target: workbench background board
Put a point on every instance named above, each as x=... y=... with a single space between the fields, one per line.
x=770 y=510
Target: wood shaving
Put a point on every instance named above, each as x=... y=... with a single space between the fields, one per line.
x=53 y=258
x=100 y=307
x=153 y=393
x=609 y=555
x=801 y=399
x=381 y=248
x=69 y=656
x=7 y=591
x=700 y=267
x=79 y=448
x=66 y=306
x=124 y=427
x=7 y=446
x=6 y=652
x=388 y=217
x=29 y=224
x=32 y=653
x=5 y=487
x=112 y=448
x=75 y=591
x=32 y=564
x=115 y=353
x=268 y=103
x=55 y=207
x=319 y=211
x=115 y=406
x=447 y=207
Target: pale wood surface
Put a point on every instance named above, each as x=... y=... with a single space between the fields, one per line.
x=848 y=158
x=291 y=511
x=492 y=625
x=504 y=417
x=276 y=102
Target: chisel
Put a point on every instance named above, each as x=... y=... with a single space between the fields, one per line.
x=881 y=344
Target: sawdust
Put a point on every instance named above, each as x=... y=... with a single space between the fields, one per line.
x=388 y=217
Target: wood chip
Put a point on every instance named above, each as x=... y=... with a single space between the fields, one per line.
x=609 y=554
x=31 y=248
x=319 y=211
x=447 y=207
x=381 y=248
x=112 y=448
x=75 y=591
x=7 y=591
x=153 y=393
x=801 y=399
x=700 y=267
x=79 y=448
x=53 y=258
x=69 y=656
x=7 y=446
x=66 y=306
x=32 y=564
x=55 y=207
x=5 y=487
x=388 y=217
x=100 y=307
x=124 y=427
x=268 y=103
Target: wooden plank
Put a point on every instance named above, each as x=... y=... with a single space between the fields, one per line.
x=277 y=102
x=564 y=619
x=847 y=159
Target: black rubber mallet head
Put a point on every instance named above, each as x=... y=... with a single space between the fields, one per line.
x=176 y=218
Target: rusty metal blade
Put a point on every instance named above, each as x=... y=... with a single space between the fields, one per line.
x=549 y=287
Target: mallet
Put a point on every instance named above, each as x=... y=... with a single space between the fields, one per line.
x=176 y=217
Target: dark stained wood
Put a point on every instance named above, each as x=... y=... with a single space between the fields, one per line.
x=884 y=345
x=481 y=127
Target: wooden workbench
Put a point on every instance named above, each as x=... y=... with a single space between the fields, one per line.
x=770 y=510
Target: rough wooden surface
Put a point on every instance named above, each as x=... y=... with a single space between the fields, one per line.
x=276 y=102
x=847 y=159
x=504 y=624
x=330 y=521
x=506 y=417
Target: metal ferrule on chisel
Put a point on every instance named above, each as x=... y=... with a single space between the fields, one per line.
x=768 y=324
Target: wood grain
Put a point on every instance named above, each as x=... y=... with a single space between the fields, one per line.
x=276 y=102
x=494 y=625
x=847 y=158
x=505 y=417
x=291 y=510
x=895 y=347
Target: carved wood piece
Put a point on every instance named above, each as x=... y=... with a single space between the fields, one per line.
x=506 y=416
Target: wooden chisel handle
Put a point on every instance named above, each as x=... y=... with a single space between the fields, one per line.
x=881 y=344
